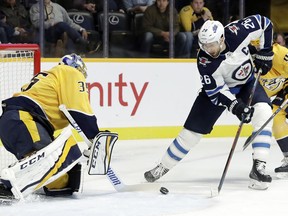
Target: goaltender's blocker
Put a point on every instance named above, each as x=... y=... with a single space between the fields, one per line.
x=101 y=153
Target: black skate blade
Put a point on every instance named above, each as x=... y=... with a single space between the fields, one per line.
x=282 y=175
x=7 y=200
x=258 y=185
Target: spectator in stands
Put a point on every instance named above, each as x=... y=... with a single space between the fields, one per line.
x=6 y=31
x=3 y=24
x=57 y=22
x=92 y=6
x=81 y=5
x=156 y=30
x=137 y=6
x=179 y=4
x=113 y=5
x=17 y=17
x=192 y=17
x=280 y=39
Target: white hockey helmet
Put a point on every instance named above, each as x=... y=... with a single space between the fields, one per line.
x=211 y=31
x=75 y=61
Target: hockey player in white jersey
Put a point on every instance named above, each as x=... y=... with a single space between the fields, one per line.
x=227 y=74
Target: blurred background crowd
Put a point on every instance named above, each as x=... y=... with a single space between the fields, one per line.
x=126 y=28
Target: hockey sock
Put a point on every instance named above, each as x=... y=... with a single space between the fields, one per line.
x=180 y=147
x=261 y=144
x=283 y=144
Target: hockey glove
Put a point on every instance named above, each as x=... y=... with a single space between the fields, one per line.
x=241 y=110
x=263 y=59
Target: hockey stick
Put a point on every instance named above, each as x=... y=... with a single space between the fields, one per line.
x=253 y=135
x=238 y=133
x=111 y=175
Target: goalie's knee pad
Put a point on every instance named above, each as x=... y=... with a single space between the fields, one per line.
x=180 y=146
x=67 y=184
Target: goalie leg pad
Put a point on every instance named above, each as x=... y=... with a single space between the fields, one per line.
x=42 y=167
x=75 y=183
x=101 y=152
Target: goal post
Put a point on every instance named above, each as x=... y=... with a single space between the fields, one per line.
x=18 y=64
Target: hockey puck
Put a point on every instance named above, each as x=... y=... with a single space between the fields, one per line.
x=164 y=190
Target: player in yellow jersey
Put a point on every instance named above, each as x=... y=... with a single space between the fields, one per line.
x=29 y=120
x=275 y=84
x=191 y=18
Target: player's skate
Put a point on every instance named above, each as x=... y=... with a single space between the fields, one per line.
x=282 y=171
x=6 y=196
x=156 y=173
x=259 y=180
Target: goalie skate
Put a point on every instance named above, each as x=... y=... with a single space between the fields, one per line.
x=259 y=181
x=282 y=171
x=156 y=173
x=6 y=196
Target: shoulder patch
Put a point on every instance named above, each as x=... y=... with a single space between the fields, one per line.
x=234 y=29
x=204 y=61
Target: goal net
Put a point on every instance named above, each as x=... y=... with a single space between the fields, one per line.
x=18 y=64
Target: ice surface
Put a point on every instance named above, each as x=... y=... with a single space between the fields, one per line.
x=189 y=184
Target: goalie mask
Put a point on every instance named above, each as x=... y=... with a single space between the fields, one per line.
x=211 y=38
x=75 y=61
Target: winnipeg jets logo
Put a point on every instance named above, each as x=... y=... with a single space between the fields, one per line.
x=215 y=28
x=273 y=84
x=242 y=72
x=234 y=29
x=204 y=61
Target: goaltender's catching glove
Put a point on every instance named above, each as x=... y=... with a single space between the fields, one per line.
x=263 y=60
x=241 y=110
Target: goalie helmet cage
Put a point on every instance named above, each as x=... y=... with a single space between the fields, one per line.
x=18 y=64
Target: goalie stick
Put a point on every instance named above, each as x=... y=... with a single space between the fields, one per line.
x=250 y=139
x=116 y=182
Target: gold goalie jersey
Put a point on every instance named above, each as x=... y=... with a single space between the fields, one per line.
x=277 y=78
x=60 y=85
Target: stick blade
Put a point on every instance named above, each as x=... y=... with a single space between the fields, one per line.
x=145 y=187
x=214 y=192
x=247 y=142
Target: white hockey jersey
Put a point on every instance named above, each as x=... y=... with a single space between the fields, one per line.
x=224 y=76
